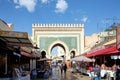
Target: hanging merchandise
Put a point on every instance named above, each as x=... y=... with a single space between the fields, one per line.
x=115 y=56
x=112 y=57
x=16 y=54
x=119 y=57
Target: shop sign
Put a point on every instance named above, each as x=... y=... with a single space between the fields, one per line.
x=13 y=34
x=115 y=57
x=118 y=37
x=107 y=33
x=96 y=49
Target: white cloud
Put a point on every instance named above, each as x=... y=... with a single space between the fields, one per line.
x=61 y=6
x=44 y=1
x=29 y=4
x=17 y=7
x=84 y=19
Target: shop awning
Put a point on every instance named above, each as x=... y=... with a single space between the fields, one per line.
x=26 y=54
x=108 y=50
x=12 y=38
x=44 y=59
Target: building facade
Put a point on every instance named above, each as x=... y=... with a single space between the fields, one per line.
x=68 y=36
x=5 y=27
x=15 y=50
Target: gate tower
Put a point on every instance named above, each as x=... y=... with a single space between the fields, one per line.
x=68 y=36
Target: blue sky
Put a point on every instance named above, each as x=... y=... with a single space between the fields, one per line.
x=54 y=51
x=97 y=15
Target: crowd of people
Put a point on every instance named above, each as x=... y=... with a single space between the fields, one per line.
x=60 y=66
x=96 y=72
x=101 y=72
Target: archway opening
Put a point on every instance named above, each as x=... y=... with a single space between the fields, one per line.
x=58 y=53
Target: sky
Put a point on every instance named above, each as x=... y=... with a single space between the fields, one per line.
x=96 y=15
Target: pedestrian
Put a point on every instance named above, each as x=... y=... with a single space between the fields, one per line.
x=96 y=71
x=118 y=73
x=61 y=68
x=65 y=68
x=112 y=74
x=103 y=71
x=34 y=74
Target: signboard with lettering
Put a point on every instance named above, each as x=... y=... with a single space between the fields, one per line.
x=96 y=49
x=13 y=34
x=107 y=33
x=16 y=38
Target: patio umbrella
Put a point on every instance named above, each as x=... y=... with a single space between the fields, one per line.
x=82 y=58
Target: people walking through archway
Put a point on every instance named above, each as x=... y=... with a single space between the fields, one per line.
x=61 y=68
x=65 y=68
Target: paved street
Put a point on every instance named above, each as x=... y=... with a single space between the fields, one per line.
x=56 y=75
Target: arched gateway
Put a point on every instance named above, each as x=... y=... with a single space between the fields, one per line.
x=70 y=37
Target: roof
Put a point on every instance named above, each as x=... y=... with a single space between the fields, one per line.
x=12 y=38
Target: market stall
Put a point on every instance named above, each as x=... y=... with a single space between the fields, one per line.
x=43 y=68
x=10 y=51
x=20 y=75
x=81 y=64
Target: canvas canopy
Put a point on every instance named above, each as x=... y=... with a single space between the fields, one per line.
x=108 y=50
x=82 y=58
x=44 y=59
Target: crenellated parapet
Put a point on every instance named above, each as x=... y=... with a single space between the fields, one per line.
x=57 y=25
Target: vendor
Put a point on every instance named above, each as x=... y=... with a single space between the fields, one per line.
x=34 y=74
x=16 y=73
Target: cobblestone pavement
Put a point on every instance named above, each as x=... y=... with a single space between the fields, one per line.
x=56 y=75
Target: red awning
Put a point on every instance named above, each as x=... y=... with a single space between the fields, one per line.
x=108 y=50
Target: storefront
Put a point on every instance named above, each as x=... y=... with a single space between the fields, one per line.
x=105 y=56
x=4 y=69
x=11 y=54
